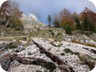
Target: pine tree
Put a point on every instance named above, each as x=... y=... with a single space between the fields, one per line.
x=49 y=19
x=77 y=21
x=68 y=29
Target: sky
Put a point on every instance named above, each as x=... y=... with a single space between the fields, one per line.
x=43 y=8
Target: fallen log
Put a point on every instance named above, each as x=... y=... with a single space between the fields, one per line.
x=26 y=60
x=62 y=65
x=93 y=51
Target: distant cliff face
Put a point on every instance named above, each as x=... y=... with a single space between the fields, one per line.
x=10 y=14
x=31 y=21
x=4 y=12
x=5 y=4
x=4 y=8
x=29 y=18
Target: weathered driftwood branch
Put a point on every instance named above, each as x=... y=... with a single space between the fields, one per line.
x=62 y=65
x=5 y=63
x=28 y=60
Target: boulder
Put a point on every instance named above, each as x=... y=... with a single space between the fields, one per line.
x=6 y=63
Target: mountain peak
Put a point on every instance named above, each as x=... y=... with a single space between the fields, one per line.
x=30 y=17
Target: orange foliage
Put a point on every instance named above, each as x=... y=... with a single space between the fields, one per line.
x=67 y=18
x=90 y=15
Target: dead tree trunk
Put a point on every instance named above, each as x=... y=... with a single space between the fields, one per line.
x=8 y=58
x=62 y=65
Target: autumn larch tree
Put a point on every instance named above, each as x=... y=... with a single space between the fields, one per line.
x=67 y=18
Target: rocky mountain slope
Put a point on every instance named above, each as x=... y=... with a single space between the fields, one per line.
x=31 y=22
x=39 y=48
x=46 y=55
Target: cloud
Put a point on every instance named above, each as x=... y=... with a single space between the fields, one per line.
x=45 y=7
x=2 y=2
x=93 y=1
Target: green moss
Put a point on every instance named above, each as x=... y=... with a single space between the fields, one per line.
x=49 y=65
x=12 y=45
x=68 y=51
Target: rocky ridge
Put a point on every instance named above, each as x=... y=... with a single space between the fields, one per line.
x=31 y=21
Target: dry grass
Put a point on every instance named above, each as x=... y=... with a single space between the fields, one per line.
x=88 y=61
x=87 y=44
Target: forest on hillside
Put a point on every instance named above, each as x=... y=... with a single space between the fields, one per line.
x=85 y=22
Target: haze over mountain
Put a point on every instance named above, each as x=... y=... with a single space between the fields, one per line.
x=41 y=8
